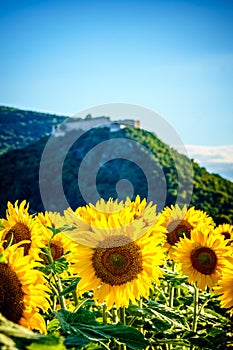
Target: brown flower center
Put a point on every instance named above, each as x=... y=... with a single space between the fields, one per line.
x=11 y=294
x=117 y=265
x=56 y=250
x=226 y=235
x=204 y=260
x=178 y=229
x=19 y=232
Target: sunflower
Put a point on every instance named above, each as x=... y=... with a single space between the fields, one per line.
x=102 y=212
x=98 y=214
x=179 y=223
x=22 y=289
x=18 y=226
x=227 y=231
x=60 y=245
x=225 y=289
x=117 y=257
x=203 y=257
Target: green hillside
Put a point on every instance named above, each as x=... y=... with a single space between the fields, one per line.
x=134 y=155
x=20 y=128
x=210 y=192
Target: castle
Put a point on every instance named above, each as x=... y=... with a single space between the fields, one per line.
x=89 y=123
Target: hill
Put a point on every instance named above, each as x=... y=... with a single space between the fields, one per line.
x=109 y=162
x=20 y=128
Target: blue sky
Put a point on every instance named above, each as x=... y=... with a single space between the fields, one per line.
x=174 y=57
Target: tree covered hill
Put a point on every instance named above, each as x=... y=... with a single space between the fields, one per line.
x=20 y=128
x=210 y=192
x=126 y=156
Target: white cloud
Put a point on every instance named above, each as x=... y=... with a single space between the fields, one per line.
x=216 y=159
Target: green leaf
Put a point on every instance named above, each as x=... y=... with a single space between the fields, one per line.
x=167 y=314
x=57 y=267
x=188 y=334
x=15 y=336
x=149 y=320
x=174 y=278
x=159 y=325
x=11 y=329
x=71 y=287
x=126 y=334
x=7 y=343
x=76 y=341
x=60 y=265
x=83 y=325
x=94 y=346
x=81 y=316
x=53 y=325
x=66 y=327
x=135 y=310
x=201 y=342
x=213 y=316
x=54 y=231
x=49 y=342
x=93 y=333
x=214 y=331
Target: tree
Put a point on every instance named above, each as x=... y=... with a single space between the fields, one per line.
x=88 y=116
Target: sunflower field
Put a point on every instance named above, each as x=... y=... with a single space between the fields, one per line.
x=115 y=275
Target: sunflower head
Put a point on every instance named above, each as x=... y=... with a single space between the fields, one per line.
x=51 y=220
x=227 y=231
x=23 y=289
x=20 y=226
x=59 y=244
x=117 y=257
x=100 y=212
x=202 y=257
x=225 y=288
x=179 y=223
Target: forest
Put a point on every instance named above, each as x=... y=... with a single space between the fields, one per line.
x=153 y=169
x=20 y=128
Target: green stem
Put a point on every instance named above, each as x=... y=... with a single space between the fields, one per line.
x=171 y=293
x=162 y=292
x=171 y=288
x=115 y=319
x=171 y=296
x=60 y=289
x=57 y=280
x=80 y=304
x=133 y=319
x=122 y=315
x=54 y=302
x=140 y=303
x=114 y=315
x=122 y=320
x=204 y=305
x=75 y=298
x=105 y=314
x=195 y=308
x=141 y=306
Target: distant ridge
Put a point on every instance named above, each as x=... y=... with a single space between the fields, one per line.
x=25 y=134
x=20 y=128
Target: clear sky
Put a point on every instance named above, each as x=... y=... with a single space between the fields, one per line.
x=174 y=57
